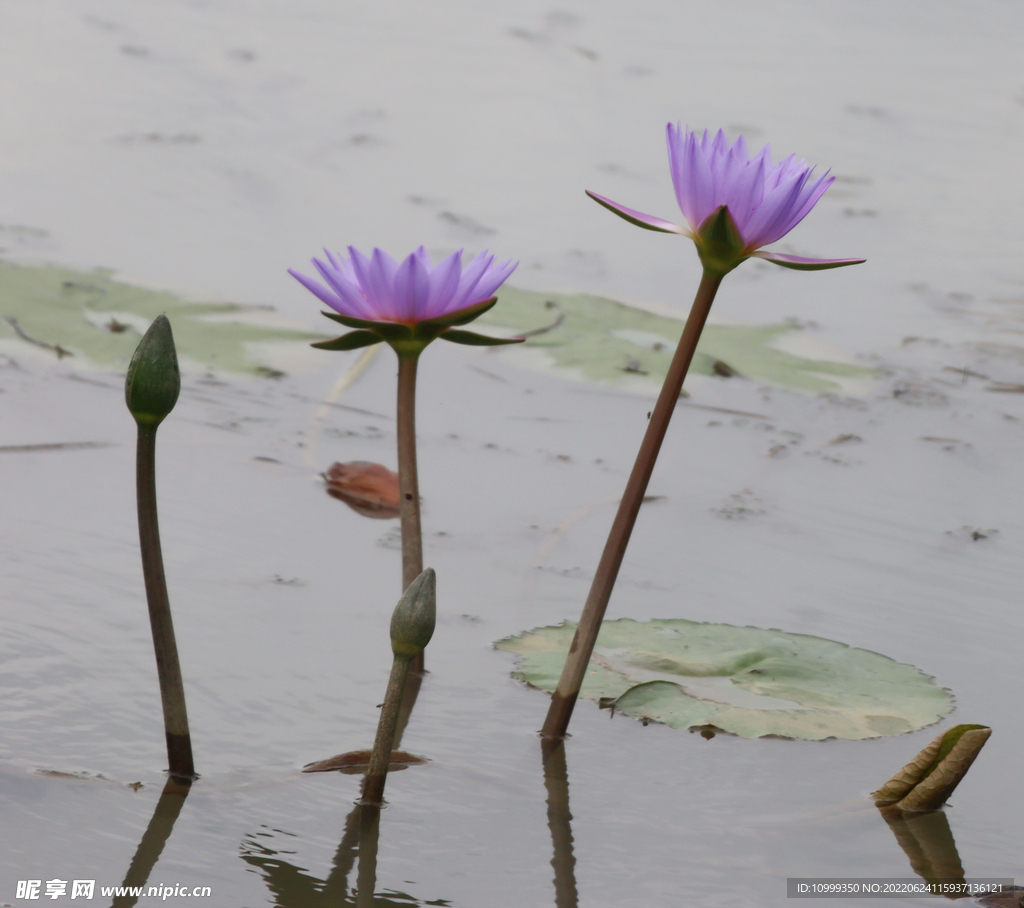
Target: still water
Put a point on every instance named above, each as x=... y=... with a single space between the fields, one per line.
x=207 y=146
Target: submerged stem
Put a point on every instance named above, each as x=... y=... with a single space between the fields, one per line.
x=172 y=690
x=564 y=698
x=408 y=479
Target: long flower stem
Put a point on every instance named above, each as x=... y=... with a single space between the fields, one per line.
x=172 y=690
x=408 y=480
x=564 y=698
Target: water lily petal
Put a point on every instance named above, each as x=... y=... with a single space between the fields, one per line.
x=698 y=188
x=767 y=223
x=349 y=298
x=647 y=221
x=812 y=191
x=800 y=263
x=492 y=279
x=315 y=288
x=410 y=288
x=443 y=283
x=376 y=293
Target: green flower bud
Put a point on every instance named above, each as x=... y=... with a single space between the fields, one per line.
x=153 y=381
x=412 y=624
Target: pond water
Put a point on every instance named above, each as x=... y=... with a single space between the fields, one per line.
x=207 y=146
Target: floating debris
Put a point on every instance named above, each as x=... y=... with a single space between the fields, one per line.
x=368 y=488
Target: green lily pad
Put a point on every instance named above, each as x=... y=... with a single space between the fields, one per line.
x=600 y=340
x=90 y=315
x=744 y=680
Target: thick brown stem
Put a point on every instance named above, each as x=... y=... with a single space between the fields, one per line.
x=408 y=479
x=564 y=698
x=387 y=725
x=172 y=690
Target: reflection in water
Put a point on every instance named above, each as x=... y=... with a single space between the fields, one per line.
x=292 y=887
x=927 y=841
x=556 y=781
x=369 y=836
x=154 y=838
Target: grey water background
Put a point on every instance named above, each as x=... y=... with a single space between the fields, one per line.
x=208 y=146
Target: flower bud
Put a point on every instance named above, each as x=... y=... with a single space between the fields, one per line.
x=412 y=624
x=152 y=384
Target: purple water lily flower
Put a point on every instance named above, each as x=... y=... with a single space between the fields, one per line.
x=735 y=204
x=407 y=304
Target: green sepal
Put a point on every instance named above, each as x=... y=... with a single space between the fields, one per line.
x=719 y=242
x=472 y=339
x=412 y=623
x=384 y=330
x=347 y=320
x=432 y=327
x=351 y=341
x=153 y=382
x=409 y=340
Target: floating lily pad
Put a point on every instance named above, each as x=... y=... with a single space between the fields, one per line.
x=744 y=680
x=90 y=315
x=600 y=340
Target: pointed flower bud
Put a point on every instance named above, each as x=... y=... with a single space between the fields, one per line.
x=152 y=384
x=409 y=304
x=412 y=623
x=763 y=202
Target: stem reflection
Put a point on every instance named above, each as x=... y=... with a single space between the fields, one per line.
x=556 y=782
x=154 y=838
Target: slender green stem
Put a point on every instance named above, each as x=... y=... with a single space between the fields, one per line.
x=172 y=690
x=408 y=479
x=380 y=759
x=564 y=698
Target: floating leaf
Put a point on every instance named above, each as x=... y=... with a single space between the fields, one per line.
x=357 y=761
x=90 y=314
x=744 y=680
x=596 y=339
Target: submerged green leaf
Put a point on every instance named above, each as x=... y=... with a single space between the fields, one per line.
x=744 y=680
x=596 y=339
x=93 y=315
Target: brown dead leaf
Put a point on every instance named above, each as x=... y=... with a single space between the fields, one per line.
x=368 y=488
x=356 y=761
